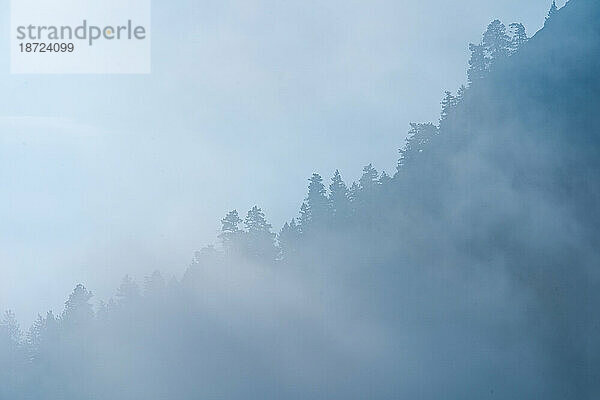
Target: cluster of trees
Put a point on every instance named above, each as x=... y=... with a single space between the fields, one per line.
x=36 y=362
x=497 y=43
x=333 y=208
x=56 y=348
x=323 y=209
x=326 y=208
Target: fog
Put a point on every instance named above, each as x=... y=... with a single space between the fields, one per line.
x=105 y=175
x=467 y=271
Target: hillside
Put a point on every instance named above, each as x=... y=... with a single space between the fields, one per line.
x=485 y=241
x=472 y=273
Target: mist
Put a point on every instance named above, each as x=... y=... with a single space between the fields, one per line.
x=106 y=175
x=468 y=269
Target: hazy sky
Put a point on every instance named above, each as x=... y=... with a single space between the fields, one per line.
x=104 y=175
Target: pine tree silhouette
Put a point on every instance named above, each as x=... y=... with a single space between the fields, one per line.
x=339 y=200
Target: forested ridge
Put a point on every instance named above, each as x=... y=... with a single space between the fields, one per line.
x=470 y=272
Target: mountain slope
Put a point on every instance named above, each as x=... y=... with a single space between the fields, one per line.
x=514 y=180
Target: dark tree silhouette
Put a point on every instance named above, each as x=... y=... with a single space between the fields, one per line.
x=305 y=218
x=230 y=231
x=318 y=203
x=448 y=104
x=339 y=200
x=259 y=240
x=369 y=179
x=288 y=239
x=496 y=42
x=35 y=334
x=518 y=37
x=78 y=310
x=9 y=328
x=384 y=179
x=478 y=63
x=421 y=265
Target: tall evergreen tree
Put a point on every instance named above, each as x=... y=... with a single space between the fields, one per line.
x=230 y=231
x=367 y=189
x=49 y=335
x=288 y=239
x=317 y=201
x=34 y=336
x=478 y=63
x=305 y=218
x=78 y=310
x=369 y=179
x=339 y=199
x=259 y=240
x=496 y=42
x=460 y=94
x=353 y=192
x=255 y=222
x=518 y=36
x=384 y=178
x=9 y=329
x=449 y=102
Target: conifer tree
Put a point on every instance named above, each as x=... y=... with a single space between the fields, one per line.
x=369 y=179
x=230 y=231
x=288 y=239
x=50 y=324
x=448 y=104
x=353 y=192
x=460 y=94
x=255 y=222
x=518 y=37
x=259 y=240
x=366 y=190
x=339 y=199
x=496 y=42
x=353 y=196
x=9 y=329
x=34 y=336
x=317 y=201
x=478 y=64
x=305 y=218
x=384 y=179
x=78 y=310
x=49 y=336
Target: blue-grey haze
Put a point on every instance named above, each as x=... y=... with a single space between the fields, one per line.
x=102 y=175
x=469 y=272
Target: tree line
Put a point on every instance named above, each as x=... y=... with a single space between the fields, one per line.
x=328 y=207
